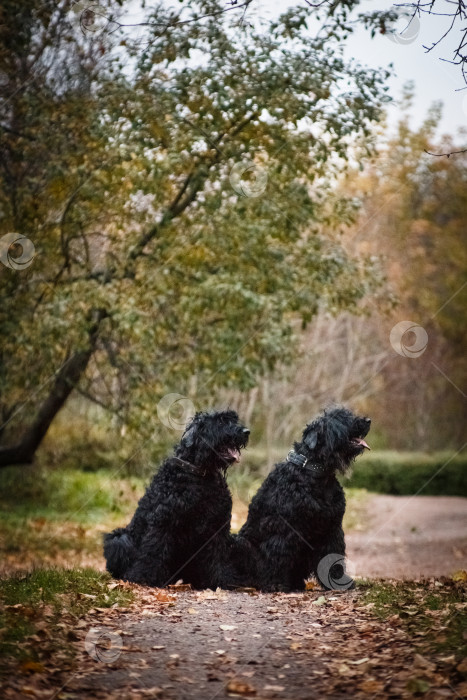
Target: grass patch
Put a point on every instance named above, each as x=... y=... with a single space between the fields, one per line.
x=435 y=611
x=80 y=496
x=40 y=600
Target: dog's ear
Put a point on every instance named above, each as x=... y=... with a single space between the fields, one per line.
x=310 y=439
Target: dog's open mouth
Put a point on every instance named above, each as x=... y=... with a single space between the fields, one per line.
x=231 y=454
x=359 y=442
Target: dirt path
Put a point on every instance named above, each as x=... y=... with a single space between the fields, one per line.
x=408 y=537
x=186 y=645
x=209 y=646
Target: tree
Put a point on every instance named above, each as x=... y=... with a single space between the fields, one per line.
x=180 y=200
x=412 y=219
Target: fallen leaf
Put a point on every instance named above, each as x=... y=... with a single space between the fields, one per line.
x=371 y=686
x=32 y=667
x=421 y=662
x=240 y=687
x=180 y=586
x=417 y=685
x=311 y=585
x=320 y=601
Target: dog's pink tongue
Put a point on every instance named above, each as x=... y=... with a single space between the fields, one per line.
x=363 y=443
x=234 y=453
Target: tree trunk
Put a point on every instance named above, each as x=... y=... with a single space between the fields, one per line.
x=65 y=381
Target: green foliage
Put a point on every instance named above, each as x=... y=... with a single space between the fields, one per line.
x=407 y=473
x=128 y=199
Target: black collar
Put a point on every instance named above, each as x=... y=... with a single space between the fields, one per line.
x=189 y=467
x=301 y=461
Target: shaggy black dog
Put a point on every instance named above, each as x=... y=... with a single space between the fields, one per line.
x=181 y=525
x=294 y=525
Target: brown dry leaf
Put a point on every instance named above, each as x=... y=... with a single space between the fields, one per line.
x=421 y=662
x=462 y=666
x=344 y=670
x=162 y=596
x=371 y=686
x=240 y=687
x=180 y=587
x=311 y=585
x=461 y=689
x=31 y=667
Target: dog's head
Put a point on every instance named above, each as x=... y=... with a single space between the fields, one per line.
x=335 y=438
x=213 y=440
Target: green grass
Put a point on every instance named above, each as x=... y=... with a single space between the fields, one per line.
x=50 y=595
x=34 y=491
x=434 y=611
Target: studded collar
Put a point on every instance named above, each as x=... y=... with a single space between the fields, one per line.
x=299 y=460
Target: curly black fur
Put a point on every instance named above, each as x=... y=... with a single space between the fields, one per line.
x=295 y=519
x=181 y=525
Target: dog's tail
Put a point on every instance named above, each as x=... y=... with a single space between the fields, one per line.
x=119 y=551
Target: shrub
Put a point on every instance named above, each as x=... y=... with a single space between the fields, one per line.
x=409 y=473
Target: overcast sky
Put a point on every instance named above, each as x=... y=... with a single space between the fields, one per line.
x=434 y=79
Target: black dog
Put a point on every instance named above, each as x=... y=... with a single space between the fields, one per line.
x=181 y=526
x=294 y=525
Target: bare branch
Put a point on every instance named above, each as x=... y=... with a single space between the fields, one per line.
x=448 y=155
